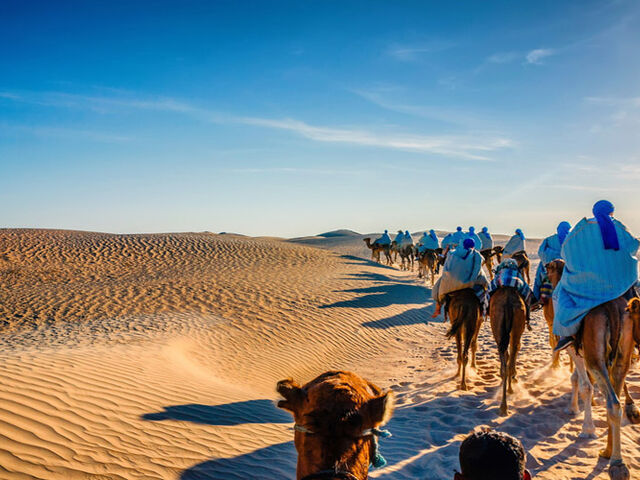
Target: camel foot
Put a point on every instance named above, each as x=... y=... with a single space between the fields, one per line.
x=633 y=413
x=464 y=387
x=588 y=434
x=555 y=365
x=619 y=471
x=504 y=411
x=514 y=379
x=606 y=453
x=571 y=411
x=510 y=390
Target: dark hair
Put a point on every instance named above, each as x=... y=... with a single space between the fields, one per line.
x=491 y=455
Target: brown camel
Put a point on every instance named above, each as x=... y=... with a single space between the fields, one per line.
x=603 y=349
x=336 y=416
x=407 y=255
x=376 y=249
x=464 y=312
x=428 y=264
x=554 y=272
x=488 y=255
x=508 y=314
x=522 y=259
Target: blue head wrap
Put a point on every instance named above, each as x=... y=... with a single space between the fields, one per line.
x=407 y=233
x=433 y=235
x=520 y=234
x=459 y=229
x=563 y=231
x=468 y=244
x=485 y=230
x=386 y=231
x=602 y=210
x=472 y=229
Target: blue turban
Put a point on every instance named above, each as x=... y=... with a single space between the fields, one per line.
x=563 y=231
x=459 y=229
x=602 y=210
x=520 y=234
x=433 y=235
x=472 y=229
x=485 y=230
x=407 y=233
x=386 y=231
x=468 y=243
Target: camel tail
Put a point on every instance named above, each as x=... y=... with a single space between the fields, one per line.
x=505 y=328
x=456 y=325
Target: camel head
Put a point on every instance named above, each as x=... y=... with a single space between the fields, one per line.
x=634 y=312
x=336 y=420
x=368 y=242
x=555 y=269
x=497 y=251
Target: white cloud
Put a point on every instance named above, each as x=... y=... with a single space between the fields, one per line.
x=466 y=147
x=503 y=57
x=535 y=57
x=408 y=53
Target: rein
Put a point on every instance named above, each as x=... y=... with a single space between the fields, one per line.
x=378 y=460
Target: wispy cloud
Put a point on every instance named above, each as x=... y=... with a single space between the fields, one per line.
x=467 y=147
x=65 y=133
x=626 y=102
x=536 y=57
x=409 y=53
x=503 y=57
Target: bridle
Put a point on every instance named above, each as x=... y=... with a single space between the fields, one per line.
x=336 y=473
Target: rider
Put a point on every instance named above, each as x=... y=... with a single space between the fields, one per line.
x=407 y=239
x=399 y=238
x=550 y=250
x=507 y=274
x=486 y=239
x=516 y=244
x=384 y=239
x=462 y=269
x=458 y=236
x=428 y=242
x=600 y=265
x=474 y=236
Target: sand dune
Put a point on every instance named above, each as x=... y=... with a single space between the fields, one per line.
x=156 y=356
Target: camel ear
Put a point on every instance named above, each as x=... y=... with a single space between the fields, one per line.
x=634 y=306
x=378 y=410
x=292 y=393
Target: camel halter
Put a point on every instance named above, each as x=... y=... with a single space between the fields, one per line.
x=377 y=462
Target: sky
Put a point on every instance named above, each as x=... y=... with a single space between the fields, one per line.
x=294 y=118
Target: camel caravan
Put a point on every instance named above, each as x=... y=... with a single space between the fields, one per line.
x=586 y=285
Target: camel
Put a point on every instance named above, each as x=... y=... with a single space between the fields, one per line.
x=523 y=264
x=603 y=349
x=376 y=249
x=428 y=263
x=464 y=312
x=337 y=418
x=508 y=314
x=488 y=258
x=407 y=255
x=554 y=272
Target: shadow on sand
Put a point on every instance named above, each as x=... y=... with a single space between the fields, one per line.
x=275 y=461
x=384 y=296
x=238 y=413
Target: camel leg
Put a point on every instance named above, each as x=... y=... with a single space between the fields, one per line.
x=515 y=348
x=459 y=347
x=463 y=359
x=630 y=408
x=614 y=413
x=504 y=375
x=584 y=387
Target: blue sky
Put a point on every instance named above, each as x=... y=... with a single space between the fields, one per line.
x=293 y=118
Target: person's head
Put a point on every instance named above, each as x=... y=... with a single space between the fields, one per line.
x=432 y=232
x=468 y=243
x=603 y=207
x=485 y=230
x=400 y=232
x=563 y=230
x=491 y=455
x=519 y=233
x=386 y=231
x=407 y=233
x=472 y=229
x=459 y=229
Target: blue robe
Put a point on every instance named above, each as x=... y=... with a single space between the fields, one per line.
x=448 y=241
x=462 y=269
x=487 y=241
x=406 y=240
x=385 y=239
x=550 y=250
x=592 y=275
x=514 y=245
x=399 y=238
x=427 y=242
